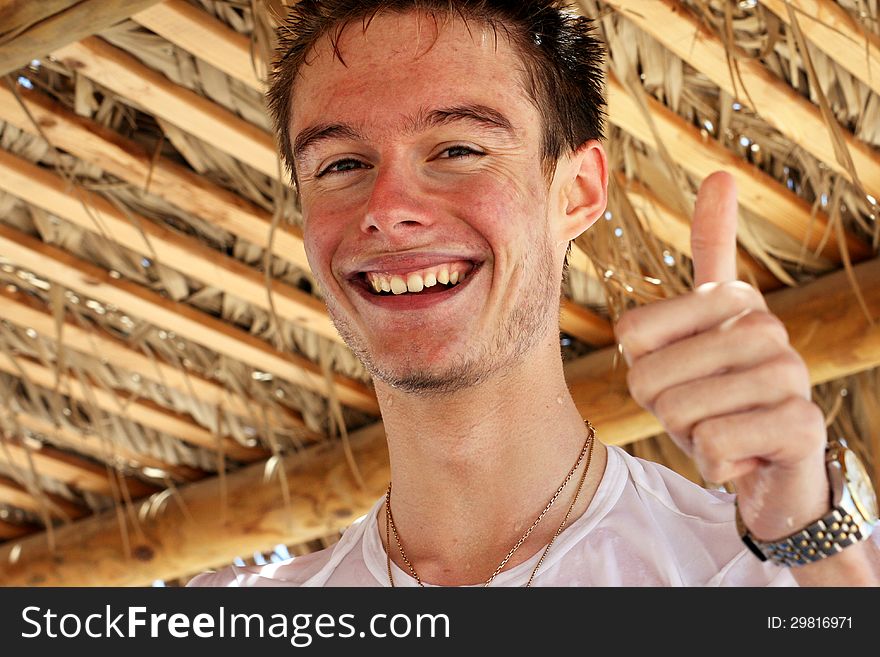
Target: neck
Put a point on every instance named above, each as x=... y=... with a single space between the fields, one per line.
x=472 y=470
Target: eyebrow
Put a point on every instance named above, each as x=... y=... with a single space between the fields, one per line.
x=482 y=115
x=311 y=137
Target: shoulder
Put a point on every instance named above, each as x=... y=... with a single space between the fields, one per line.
x=658 y=486
x=291 y=572
x=321 y=568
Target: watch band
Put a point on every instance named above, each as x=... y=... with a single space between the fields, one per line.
x=825 y=537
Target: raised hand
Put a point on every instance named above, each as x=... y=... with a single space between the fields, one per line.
x=716 y=368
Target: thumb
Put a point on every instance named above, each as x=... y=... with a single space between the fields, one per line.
x=713 y=230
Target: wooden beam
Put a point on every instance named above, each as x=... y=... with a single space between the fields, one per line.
x=26 y=311
x=11 y=530
x=834 y=31
x=773 y=99
x=672 y=227
x=584 y=324
x=200 y=327
x=206 y=37
x=324 y=498
x=71 y=470
x=96 y=214
x=180 y=186
x=32 y=29
x=757 y=191
x=168 y=180
x=192 y=113
x=825 y=324
x=90 y=444
x=143 y=411
x=13 y=494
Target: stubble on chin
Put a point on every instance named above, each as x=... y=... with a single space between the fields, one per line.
x=521 y=330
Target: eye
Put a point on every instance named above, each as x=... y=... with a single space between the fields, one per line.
x=341 y=166
x=459 y=152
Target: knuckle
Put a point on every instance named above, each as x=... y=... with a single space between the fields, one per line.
x=711 y=470
x=637 y=382
x=789 y=372
x=764 y=327
x=739 y=296
x=715 y=472
x=707 y=447
x=628 y=331
x=668 y=408
x=806 y=420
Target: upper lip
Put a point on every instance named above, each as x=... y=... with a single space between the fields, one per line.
x=406 y=262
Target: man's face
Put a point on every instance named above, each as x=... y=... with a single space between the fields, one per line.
x=418 y=156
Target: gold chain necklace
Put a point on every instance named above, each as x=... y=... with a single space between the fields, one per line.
x=587 y=450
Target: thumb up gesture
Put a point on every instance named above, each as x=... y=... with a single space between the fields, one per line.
x=716 y=368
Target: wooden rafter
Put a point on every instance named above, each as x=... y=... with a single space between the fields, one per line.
x=831 y=29
x=14 y=494
x=206 y=37
x=143 y=411
x=71 y=470
x=11 y=530
x=584 y=324
x=96 y=214
x=117 y=70
x=756 y=87
x=202 y=328
x=758 y=192
x=24 y=310
x=825 y=324
x=92 y=445
x=32 y=29
x=324 y=498
x=128 y=160
x=672 y=227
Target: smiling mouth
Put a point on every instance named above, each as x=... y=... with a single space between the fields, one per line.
x=429 y=281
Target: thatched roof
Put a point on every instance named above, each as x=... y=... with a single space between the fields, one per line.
x=163 y=347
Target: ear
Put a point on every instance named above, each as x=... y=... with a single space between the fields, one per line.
x=579 y=191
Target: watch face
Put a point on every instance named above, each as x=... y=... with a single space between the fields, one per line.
x=860 y=486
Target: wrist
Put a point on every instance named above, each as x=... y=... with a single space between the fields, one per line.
x=856 y=566
x=851 y=519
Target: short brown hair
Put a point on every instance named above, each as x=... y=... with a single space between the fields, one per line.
x=563 y=60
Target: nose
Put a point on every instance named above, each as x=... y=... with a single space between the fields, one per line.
x=396 y=207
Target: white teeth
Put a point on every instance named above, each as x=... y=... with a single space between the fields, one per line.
x=414 y=283
x=398 y=285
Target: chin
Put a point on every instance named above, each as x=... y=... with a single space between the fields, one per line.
x=441 y=371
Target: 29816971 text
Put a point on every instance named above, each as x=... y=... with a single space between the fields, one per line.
x=809 y=623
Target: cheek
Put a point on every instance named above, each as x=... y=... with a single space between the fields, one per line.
x=505 y=211
x=321 y=238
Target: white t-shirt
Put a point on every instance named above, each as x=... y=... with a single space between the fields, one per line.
x=645 y=526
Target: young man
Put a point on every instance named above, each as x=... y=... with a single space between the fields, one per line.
x=446 y=153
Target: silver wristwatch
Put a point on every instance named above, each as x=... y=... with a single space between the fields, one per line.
x=852 y=517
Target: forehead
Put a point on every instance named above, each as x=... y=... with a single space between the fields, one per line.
x=399 y=64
